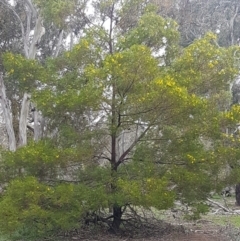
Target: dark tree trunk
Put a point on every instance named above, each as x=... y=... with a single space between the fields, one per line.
x=117 y=218
x=237 y=191
x=116 y=209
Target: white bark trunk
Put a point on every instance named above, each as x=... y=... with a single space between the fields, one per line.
x=23 y=120
x=30 y=50
x=60 y=39
x=232 y=21
x=7 y=116
x=39 y=31
x=39 y=123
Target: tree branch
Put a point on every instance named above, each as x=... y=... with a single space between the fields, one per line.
x=22 y=27
x=122 y=157
x=32 y=8
x=219 y=205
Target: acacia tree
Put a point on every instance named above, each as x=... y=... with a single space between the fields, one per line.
x=117 y=105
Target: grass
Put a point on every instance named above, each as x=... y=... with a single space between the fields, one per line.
x=223 y=220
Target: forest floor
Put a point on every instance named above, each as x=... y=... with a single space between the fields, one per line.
x=221 y=223
x=203 y=231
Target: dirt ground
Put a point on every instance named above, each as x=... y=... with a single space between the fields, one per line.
x=175 y=236
x=202 y=231
x=170 y=226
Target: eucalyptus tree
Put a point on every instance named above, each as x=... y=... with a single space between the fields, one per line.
x=37 y=30
x=195 y=18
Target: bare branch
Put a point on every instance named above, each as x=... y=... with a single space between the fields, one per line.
x=219 y=205
x=125 y=153
x=21 y=24
x=32 y=8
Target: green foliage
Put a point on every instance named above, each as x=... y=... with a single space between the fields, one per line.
x=156 y=33
x=37 y=159
x=22 y=72
x=205 y=67
x=150 y=192
x=191 y=185
x=110 y=87
x=56 y=11
x=75 y=69
x=42 y=160
x=35 y=210
x=196 y=211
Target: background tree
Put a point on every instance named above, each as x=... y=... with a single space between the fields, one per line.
x=195 y=18
x=27 y=37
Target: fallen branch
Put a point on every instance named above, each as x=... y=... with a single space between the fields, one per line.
x=219 y=205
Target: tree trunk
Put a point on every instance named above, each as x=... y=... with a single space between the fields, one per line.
x=232 y=21
x=116 y=209
x=39 y=31
x=7 y=116
x=117 y=218
x=39 y=124
x=23 y=120
x=237 y=191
